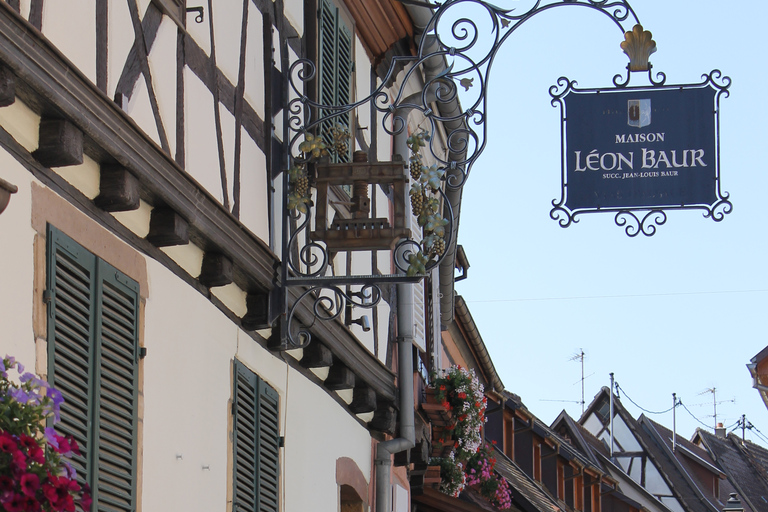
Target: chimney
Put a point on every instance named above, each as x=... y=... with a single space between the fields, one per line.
x=720 y=430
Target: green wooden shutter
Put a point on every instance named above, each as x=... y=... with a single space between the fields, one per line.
x=72 y=293
x=269 y=438
x=334 y=68
x=93 y=361
x=256 y=443
x=117 y=390
x=245 y=442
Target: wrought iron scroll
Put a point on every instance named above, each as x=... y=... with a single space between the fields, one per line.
x=645 y=220
x=464 y=37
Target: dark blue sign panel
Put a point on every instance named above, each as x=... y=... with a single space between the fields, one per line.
x=637 y=148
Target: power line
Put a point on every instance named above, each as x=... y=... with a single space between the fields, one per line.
x=641 y=408
x=670 y=294
x=692 y=416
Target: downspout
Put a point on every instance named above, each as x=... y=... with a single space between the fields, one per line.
x=407 y=439
x=405 y=298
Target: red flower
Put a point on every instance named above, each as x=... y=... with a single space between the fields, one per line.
x=27 y=442
x=442 y=387
x=15 y=504
x=463 y=395
x=7 y=443
x=37 y=455
x=86 y=500
x=30 y=483
x=31 y=504
x=493 y=442
x=19 y=460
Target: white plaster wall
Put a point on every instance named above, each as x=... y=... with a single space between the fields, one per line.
x=317 y=434
x=202 y=151
x=227 y=18
x=294 y=11
x=593 y=424
x=654 y=482
x=187 y=391
x=254 y=63
x=59 y=20
x=140 y=109
x=17 y=261
x=121 y=37
x=623 y=436
x=254 y=205
x=162 y=66
x=187 y=387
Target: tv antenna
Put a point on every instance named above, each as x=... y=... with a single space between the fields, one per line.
x=580 y=357
x=715 y=402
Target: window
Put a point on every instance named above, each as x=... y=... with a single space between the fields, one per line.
x=93 y=360
x=334 y=58
x=256 y=443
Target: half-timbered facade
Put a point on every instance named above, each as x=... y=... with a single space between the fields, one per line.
x=142 y=143
x=675 y=471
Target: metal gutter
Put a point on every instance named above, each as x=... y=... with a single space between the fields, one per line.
x=478 y=346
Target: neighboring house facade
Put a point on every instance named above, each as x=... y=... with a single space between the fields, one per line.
x=675 y=471
x=758 y=369
x=631 y=493
x=550 y=471
x=143 y=141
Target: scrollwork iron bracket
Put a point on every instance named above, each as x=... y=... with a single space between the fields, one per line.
x=464 y=35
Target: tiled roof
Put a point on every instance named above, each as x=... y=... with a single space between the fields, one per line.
x=744 y=465
x=527 y=494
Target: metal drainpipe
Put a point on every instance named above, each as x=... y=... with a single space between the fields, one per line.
x=407 y=439
x=405 y=328
x=610 y=421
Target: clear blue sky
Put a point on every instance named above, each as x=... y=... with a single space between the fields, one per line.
x=682 y=311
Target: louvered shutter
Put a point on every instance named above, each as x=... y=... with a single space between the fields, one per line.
x=93 y=361
x=334 y=69
x=72 y=309
x=269 y=437
x=117 y=390
x=245 y=446
x=256 y=443
x=343 y=75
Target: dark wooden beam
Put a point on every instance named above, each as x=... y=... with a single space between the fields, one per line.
x=384 y=419
x=54 y=85
x=7 y=86
x=166 y=228
x=258 y=307
x=317 y=355
x=217 y=270
x=61 y=143
x=340 y=377
x=118 y=190
x=364 y=400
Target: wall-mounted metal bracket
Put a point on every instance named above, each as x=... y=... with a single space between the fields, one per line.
x=452 y=36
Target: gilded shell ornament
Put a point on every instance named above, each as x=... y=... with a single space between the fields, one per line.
x=638 y=45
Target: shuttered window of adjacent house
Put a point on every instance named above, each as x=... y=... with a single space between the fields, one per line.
x=334 y=70
x=93 y=340
x=256 y=443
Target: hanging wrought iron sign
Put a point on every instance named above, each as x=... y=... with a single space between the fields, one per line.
x=456 y=49
x=638 y=151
